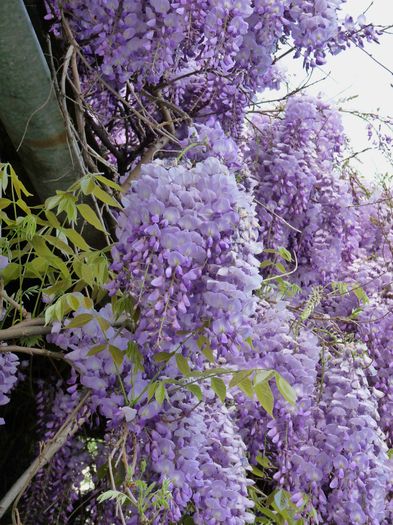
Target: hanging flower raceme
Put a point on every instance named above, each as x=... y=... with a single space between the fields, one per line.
x=58 y=487
x=181 y=256
x=8 y=376
x=351 y=453
x=303 y=205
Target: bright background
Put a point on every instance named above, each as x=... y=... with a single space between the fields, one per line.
x=354 y=73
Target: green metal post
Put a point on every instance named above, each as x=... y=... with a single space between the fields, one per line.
x=29 y=109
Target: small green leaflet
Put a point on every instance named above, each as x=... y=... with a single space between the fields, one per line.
x=151 y=390
x=264 y=461
x=285 y=389
x=204 y=344
x=265 y=396
x=219 y=388
x=90 y=216
x=104 y=197
x=285 y=254
x=79 y=320
x=113 y=494
x=196 y=390
x=263 y=375
x=258 y=472
x=97 y=349
x=108 y=182
x=162 y=357
x=116 y=354
x=182 y=365
x=134 y=355
x=238 y=377
x=246 y=387
x=360 y=294
x=160 y=393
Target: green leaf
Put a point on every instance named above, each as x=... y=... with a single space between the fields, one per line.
x=50 y=314
x=36 y=267
x=161 y=357
x=237 y=377
x=76 y=238
x=339 y=286
x=285 y=254
x=87 y=184
x=285 y=389
x=4 y=169
x=361 y=295
x=108 y=182
x=355 y=313
x=97 y=349
x=90 y=216
x=202 y=341
x=73 y=301
x=86 y=302
x=59 y=244
x=117 y=355
x=265 y=396
x=67 y=203
x=79 y=320
x=42 y=250
x=246 y=387
x=113 y=494
x=266 y=264
x=219 y=387
x=281 y=268
x=23 y=206
x=11 y=272
x=263 y=375
x=160 y=393
x=151 y=390
x=204 y=344
x=52 y=219
x=134 y=355
x=264 y=461
x=103 y=196
x=196 y=390
x=257 y=472
x=4 y=203
x=52 y=202
x=17 y=184
x=270 y=514
x=103 y=323
x=208 y=353
x=182 y=365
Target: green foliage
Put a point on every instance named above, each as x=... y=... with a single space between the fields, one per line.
x=277 y=508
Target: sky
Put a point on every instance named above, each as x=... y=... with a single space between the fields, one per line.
x=354 y=73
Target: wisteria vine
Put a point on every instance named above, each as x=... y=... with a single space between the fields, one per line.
x=233 y=342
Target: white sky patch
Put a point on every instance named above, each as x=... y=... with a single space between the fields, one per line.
x=353 y=73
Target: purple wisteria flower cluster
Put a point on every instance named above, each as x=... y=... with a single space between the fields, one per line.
x=210 y=58
x=97 y=372
x=350 y=448
x=180 y=257
x=200 y=450
x=57 y=489
x=8 y=377
x=293 y=161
